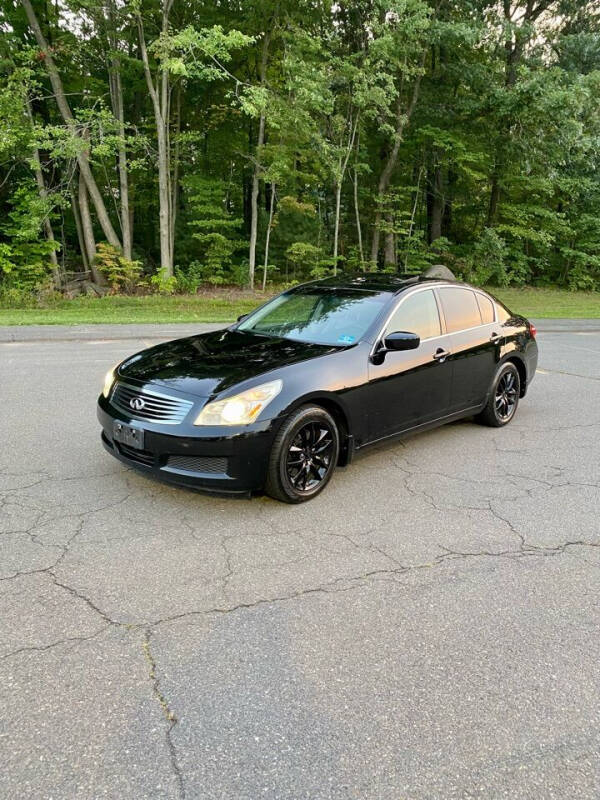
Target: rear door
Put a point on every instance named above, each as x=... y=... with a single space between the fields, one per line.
x=411 y=387
x=470 y=322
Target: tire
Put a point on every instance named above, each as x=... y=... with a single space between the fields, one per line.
x=303 y=456
x=503 y=399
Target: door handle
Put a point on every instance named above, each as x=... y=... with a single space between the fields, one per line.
x=441 y=354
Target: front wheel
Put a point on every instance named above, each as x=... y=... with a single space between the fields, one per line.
x=504 y=397
x=303 y=456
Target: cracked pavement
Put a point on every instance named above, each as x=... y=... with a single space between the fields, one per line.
x=426 y=628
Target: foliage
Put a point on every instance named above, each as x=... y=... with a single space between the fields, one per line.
x=489 y=110
x=304 y=256
x=24 y=253
x=163 y=283
x=487 y=263
x=122 y=275
x=189 y=280
x=215 y=229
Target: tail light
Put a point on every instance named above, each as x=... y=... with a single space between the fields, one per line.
x=532 y=330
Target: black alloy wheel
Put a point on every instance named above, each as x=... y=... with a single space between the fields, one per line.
x=304 y=455
x=504 y=397
x=309 y=456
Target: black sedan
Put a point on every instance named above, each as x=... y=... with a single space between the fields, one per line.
x=298 y=386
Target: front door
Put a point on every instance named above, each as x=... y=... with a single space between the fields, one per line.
x=411 y=387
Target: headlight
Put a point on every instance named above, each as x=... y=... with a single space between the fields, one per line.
x=109 y=379
x=241 y=409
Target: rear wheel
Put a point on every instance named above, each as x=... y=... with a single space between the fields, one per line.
x=303 y=456
x=504 y=397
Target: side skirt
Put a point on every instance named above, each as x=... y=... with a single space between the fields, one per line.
x=424 y=426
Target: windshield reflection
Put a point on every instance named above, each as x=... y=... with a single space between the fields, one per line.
x=318 y=315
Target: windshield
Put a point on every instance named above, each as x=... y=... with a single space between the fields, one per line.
x=318 y=315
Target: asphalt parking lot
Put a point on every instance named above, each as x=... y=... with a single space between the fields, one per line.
x=426 y=628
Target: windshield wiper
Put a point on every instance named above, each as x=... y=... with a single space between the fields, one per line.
x=256 y=333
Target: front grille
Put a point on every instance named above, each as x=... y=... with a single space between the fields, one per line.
x=156 y=407
x=141 y=456
x=206 y=464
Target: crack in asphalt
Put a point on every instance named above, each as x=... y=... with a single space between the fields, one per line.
x=408 y=469
x=44 y=647
x=41 y=520
x=332 y=587
x=166 y=710
x=80 y=596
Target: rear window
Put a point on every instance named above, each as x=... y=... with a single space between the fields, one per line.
x=486 y=308
x=460 y=309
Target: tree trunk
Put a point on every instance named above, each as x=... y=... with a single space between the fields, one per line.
x=254 y=203
x=257 y=169
x=339 y=180
x=389 y=252
x=175 y=179
x=123 y=176
x=164 y=199
x=494 y=198
x=402 y=120
x=412 y=216
x=160 y=104
x=116 y=95
x=448 y=201
x=382 y=187
x=435 y=201
x=65 y=111
x=88 y=231
x=79 y=228
x=268 y=236
x=358 y=225
x=39 y=178
x=336 y=224
x=88 y=228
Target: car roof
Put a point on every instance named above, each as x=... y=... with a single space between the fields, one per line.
x=380 y=282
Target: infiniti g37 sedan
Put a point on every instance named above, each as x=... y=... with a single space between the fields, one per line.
x=279 y=399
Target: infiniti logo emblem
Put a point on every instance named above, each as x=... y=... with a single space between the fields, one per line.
x=137 y=403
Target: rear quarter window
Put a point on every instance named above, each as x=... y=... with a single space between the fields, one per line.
x=486 y=308
x=503 y=314
x=460 y=309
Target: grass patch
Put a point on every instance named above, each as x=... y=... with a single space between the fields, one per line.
x=226 y=305
x=214 y=306
x=550 y=303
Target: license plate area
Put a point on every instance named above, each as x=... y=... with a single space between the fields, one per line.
x=128 y=435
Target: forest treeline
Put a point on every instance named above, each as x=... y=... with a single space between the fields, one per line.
x=174 y=143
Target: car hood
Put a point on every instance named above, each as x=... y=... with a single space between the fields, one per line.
x=209 y=363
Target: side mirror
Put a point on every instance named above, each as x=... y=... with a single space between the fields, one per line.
x=241 y=317
x=401 y=340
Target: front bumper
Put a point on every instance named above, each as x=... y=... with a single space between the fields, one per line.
x=215 y=459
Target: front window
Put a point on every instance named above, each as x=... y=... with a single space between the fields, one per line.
x=319 y=315
x=417 y=314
